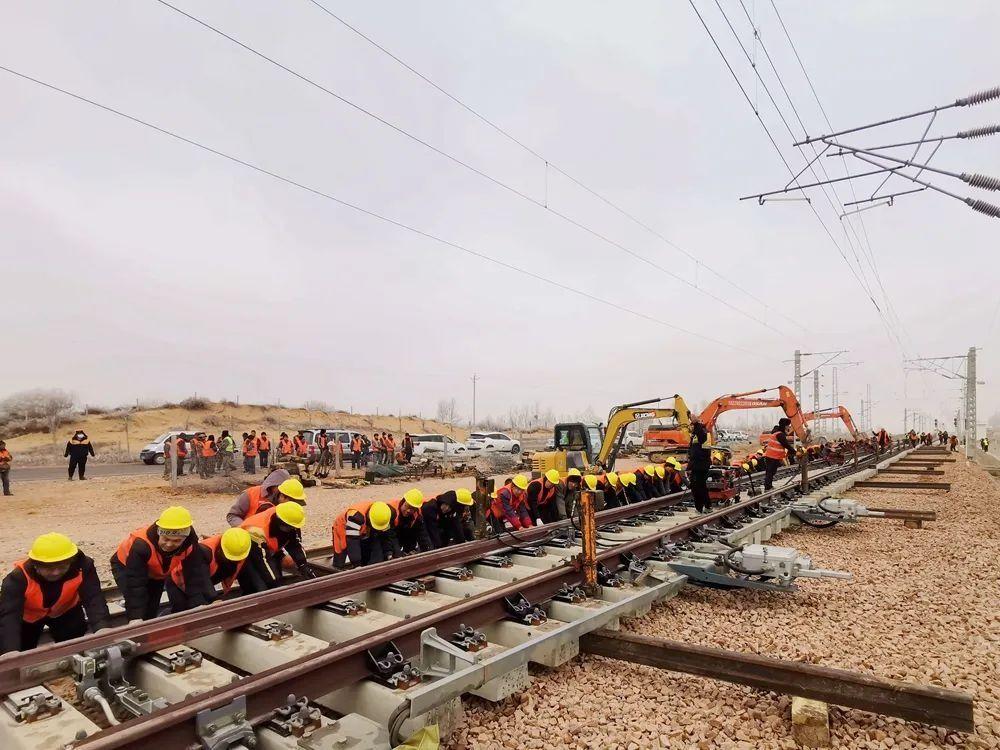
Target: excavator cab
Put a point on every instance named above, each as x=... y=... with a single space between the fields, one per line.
x=576 y=447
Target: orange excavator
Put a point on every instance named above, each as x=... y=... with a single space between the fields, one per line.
x=839 y=412
x=672 y=440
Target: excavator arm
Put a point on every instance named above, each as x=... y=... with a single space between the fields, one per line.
x=786 y=401
x=622 y=416
x=839 y=412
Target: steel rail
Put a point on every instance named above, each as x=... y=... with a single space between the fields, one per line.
x=24 y=669
x=343 y=663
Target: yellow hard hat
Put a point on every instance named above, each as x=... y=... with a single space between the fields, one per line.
x=414 y=498
x=291 y=513
x=628 y=478
x=650 y=469
x=612 y=477
x=553 y=476
x=292 y=488
x=591 y=481
x=674 y=462
x=661 y=472
x=175 y=517
x=379 y=516
x=745 y=467
x=463 y=496
x=52 y=548
x=573 y=473
x=521 y=481
x=236 y=544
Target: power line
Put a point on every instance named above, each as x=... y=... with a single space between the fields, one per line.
x=368 y=212
x=784 y=161
x=455 y=160
x=549 y=164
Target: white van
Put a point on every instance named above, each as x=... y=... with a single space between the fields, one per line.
x=152 y=453
x=437 y=444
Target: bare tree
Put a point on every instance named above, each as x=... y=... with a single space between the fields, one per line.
x=447 y=411
x=317 y=406
x=52 y=405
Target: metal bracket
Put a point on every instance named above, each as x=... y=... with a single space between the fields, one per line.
x=344 y=608
x=521 y=610
x=455 y=574
x=389 y=667
x=178 y=662
x=275 y=630
x=295 y=719
x=32 y=704
x=569 y=594
x=406 y=588
x=560 y=542
x=226 y=727
x=638 y=570
x=531 y=551
x=433 y=646
x=496 y=561
x=608 y=577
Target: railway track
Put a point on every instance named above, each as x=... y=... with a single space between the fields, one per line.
x=383 y=650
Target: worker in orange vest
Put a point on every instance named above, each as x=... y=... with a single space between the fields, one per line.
x=509 y=508
x=226 y=555
x=277 y=487
x=151 y=558
x=249 y=454
x=301 y=445
x=277 y=533
x=390 y=448
x=448 y=517
x=5 y=459
x=365 y=534
x=410 y=528
x=356 y=451
x=285 y=447
x=776 y=451
x=209 y=455
x=53 y=587
x=541 y=496
x=614 y=492
x=264 y=449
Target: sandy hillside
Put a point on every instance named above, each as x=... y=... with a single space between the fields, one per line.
x=107 y=431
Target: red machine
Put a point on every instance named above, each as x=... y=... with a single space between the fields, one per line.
x=839 y=412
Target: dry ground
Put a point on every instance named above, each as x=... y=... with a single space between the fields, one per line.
x=924 y=607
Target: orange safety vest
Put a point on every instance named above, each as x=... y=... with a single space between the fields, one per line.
x=285 y=446
x=339 y=530
x=390 y=443
x=263 y=444
x=208 y=449
x=398 y=517
x=301 y=447
x=516 y=496
x=322 y=441
x=181 y=449
x=155 y=564
x=774 y=449
x=356 y=445
x=250 y=447
x=212 y=545
x=34 y=607
x=262 y=520
x=545 y=492
x=257 y=501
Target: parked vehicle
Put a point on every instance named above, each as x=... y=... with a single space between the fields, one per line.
x=632 y=440
x=344 y=436
x=492 y=441
x=435 y=444
x=152 y=453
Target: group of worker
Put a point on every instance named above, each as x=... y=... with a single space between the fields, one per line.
x=57 y=585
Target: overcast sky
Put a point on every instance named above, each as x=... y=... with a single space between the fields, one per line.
x=137 y=266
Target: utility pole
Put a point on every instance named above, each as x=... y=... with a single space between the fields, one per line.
x=869 y=402
x=798 y=375
x=971 y=433
x=816 y=390
x=474 y=379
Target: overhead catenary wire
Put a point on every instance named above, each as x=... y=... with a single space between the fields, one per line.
x=372 y=213
x=550 y=165
x=982 y=181
x=542 y=204
x=788 y=167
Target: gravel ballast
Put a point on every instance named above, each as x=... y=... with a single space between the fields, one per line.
x=924 y=607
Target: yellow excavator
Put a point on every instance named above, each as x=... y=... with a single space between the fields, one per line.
x=593 y=447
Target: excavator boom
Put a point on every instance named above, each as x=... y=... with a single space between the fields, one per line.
x=839 y=412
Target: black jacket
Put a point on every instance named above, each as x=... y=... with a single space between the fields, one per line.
x=699 y=457
x=78 y=448
x=412 y=533
x=12 y=599
x=452 y=527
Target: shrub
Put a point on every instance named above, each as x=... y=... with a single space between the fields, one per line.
x=195 y=403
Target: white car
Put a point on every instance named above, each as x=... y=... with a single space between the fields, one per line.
x=152 y=453
x=435 y=443
x=492 y=442
x=632 y=440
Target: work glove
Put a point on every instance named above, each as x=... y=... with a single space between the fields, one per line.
x=307 y=572
x=257 y=534
x=538 y=522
